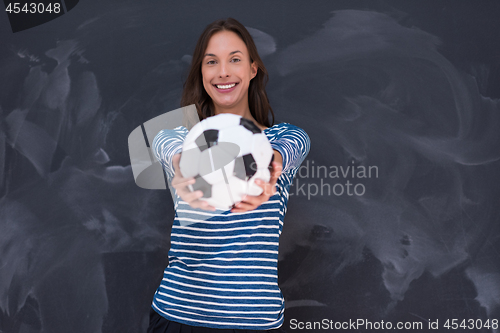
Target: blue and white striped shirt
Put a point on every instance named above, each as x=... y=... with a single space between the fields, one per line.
x=223 y=266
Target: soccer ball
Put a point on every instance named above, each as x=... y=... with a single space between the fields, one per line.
x=225 y=154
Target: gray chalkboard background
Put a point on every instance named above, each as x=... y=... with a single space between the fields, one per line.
x=408 y=88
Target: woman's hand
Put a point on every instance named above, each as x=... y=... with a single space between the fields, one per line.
x=250 y=202
x=180 y=184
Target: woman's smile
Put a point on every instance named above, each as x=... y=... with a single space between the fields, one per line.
x=225 y=88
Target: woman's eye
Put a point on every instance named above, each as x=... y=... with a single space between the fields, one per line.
x=211 y=62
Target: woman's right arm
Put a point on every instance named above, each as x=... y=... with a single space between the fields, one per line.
x=167 y=148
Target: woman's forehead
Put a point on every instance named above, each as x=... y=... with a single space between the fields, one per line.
x=225 y=43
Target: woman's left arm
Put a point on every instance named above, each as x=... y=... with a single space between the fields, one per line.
x=290 y=148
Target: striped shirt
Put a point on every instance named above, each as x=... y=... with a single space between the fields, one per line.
x=223 y=266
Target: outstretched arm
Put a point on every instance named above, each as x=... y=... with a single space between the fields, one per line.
x=290 y=149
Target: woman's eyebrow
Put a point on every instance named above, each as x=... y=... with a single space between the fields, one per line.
x=213 y=55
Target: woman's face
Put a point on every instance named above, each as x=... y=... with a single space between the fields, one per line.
x=227 y=71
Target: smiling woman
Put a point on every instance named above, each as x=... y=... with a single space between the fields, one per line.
x=224 y=47
x=227 y=72
x=222 y=274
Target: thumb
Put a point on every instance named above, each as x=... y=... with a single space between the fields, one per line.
x=175 y=161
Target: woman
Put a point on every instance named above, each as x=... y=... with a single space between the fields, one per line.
x=222 y=273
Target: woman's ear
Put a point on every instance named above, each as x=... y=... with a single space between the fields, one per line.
x=255 y=68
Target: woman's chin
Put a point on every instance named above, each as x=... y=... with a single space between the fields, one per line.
x=225 y=105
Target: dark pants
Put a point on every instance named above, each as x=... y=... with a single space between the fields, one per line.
x=159 y=324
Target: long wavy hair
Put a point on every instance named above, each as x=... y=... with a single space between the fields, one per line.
x=194 y=92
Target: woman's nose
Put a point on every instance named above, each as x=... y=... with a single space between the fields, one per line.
x=223 y=70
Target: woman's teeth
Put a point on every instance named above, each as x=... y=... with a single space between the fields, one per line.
x=226 y=86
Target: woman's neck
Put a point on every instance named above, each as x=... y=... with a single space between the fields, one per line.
x=245 y=113
x=240 y=111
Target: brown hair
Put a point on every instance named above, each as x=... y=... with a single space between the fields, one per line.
x=194 y=92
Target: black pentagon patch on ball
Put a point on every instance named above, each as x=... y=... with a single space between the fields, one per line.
x=250 y=165
x=202 y=185
x=249 y=125
x=239 y=168
x=207 y=139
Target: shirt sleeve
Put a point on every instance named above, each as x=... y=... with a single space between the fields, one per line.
x=166 y=144
x=294 y=144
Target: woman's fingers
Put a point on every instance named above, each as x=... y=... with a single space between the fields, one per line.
x=175 y=161
x=268 y=189
x=180 y=184
x=243 y=207
x=250 y=202
x=205 y=205
x=276 y=172
x=178 y=180
x=197 y=203
x=191 y=197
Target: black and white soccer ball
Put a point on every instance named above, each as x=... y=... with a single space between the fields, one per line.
x=225 y=154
